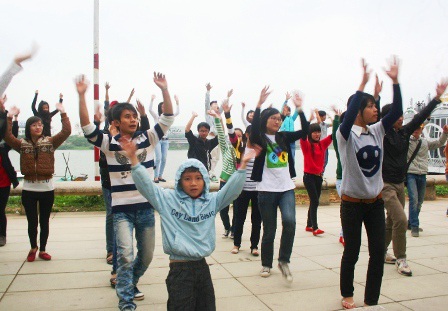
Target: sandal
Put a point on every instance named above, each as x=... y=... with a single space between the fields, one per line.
x=110 y=258
x=254 y=252
x=235 y=250
x=347 y=305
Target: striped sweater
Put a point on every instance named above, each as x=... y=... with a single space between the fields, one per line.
x=125 y=196
x=228 y=153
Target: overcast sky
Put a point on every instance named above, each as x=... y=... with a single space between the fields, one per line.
x=311 y=46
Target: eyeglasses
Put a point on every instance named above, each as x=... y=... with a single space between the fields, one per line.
x=276 y=119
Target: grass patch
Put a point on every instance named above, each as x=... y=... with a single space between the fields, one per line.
x=67 y=203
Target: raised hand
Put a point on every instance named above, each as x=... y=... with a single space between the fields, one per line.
x=13 y=111
x=98 y=116
x=264 y=94
x=176 y=99
x=229 y=93
x=287 y=96
x=250 y=154
x=208 y=87
x=36 y=92
x=337 y=112
x=20 y=58
x=392 y=72
x=60 y=107
x=61 y=96
x=81 y=84
x=160 y=80
x=107 y=86
x=441 y=87
x=365 y=72
x=378 y=87
x=131 y=94
x=297 y=100
x=153 y=97
x=243 y=104
x=128 y=146
x=141 y=108
x=213 y=113
x=225 y=106
x=194 y=114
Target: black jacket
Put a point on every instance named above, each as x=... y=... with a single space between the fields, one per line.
x=396 y=145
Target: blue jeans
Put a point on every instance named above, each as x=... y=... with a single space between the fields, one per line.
x=267 y=204
x=416 y=191
x=131 y=268
x=110 y=239
x=161 y=154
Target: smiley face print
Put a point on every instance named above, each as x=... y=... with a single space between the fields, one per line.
x=369 y=160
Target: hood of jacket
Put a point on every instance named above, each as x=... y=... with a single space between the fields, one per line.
x=191 y=163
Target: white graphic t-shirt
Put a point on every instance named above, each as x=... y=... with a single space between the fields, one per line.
x=276 y=177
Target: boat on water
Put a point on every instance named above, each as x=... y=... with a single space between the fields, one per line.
x=432 y=130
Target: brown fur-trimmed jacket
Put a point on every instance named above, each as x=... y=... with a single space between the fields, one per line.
x=37 y=160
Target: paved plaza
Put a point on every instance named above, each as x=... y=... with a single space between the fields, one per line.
x=77 y=278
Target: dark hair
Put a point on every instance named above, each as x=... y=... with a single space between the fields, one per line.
x=322 y=113
x=314 y=127
x=366 y=98
x=213 y=102
x=248 y=129
x=204 y=124
x=385 y=110
x=190 y=169
x=265 y=115
x=118 y=109
x=249 y=112
x=40 y=107
x=159 y=108
x=29 y=122
x=287 y=107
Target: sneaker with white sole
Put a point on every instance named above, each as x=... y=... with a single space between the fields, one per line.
x=284 y=269
x=402 y=267
x=138 y=295
x=226 y=233
x=390 y=259
x=265 y=272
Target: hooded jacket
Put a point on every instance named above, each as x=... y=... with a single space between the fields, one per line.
x=188 y=225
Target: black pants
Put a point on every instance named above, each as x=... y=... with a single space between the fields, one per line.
x=313 y=185
x=190 y=287
x=29 y=201
x=224 y=213
x=240 y=206
x=4 y=196
x=352 y=217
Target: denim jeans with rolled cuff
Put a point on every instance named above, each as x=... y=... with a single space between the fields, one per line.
x=268 y=203
x=130 y=267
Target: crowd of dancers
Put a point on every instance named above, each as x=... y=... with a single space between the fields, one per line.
x=375 y=154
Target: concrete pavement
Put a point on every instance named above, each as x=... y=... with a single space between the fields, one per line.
x=77 y=278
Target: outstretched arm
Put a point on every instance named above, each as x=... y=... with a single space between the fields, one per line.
x=255 y=135
x=176 y=99
x=60 y=137
x=355 y=103
x=15 y=67
x=243 y=115
x=160 y=81
x=396 y=110
x=33 y=104
x=130 y=96
x=154 y=114
x=81 y=87
x=9 y=138
x=190 y=122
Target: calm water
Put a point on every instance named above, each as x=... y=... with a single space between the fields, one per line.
x=81 y=162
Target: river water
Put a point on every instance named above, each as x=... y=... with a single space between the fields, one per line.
x=82 y=162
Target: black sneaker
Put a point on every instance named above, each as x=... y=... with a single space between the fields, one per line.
x=138 y=295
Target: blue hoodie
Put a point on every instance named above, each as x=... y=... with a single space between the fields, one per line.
x=188 y=225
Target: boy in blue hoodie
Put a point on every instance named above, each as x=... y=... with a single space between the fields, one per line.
x=187 y=215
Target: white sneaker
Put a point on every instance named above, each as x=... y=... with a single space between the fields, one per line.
x=402 y=267
x=284 y=269
x=265 y=272
x=390 y=259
